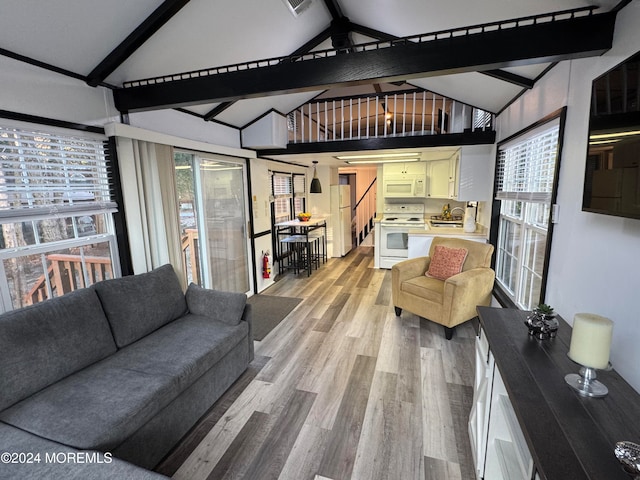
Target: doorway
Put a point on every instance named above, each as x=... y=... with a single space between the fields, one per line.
x=350 y=179
x=213 y=219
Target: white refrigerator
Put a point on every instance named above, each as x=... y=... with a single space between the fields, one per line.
x=341 y=219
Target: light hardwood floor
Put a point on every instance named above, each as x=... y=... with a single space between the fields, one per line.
x=341 y=389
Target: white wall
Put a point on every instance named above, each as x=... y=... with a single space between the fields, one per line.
x=34 y=91
x=173 y=122
x=595 y=266
x=261 y=190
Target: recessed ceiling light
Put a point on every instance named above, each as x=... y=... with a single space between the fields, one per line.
x=370 y=156
x=382 y=160
x=614 y=135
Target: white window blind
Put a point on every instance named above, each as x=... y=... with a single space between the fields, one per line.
x=526 y=168
x=41 y=173
x=282 y=188
x=299 y=185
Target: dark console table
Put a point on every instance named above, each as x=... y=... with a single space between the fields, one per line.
x=569 y=437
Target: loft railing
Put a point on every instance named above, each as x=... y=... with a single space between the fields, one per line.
x=391 y=115
x=414 y=39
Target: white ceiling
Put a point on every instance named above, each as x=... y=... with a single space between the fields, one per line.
x=77 y=35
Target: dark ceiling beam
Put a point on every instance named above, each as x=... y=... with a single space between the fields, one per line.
x=141 y=34
x=417 y=141
x=536 y=43
x=503 y=75
x=306 y=48
x=334 y=9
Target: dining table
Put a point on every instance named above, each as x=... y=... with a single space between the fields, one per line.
x=295 y=241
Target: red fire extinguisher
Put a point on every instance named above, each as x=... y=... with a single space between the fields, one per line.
x=266 y=265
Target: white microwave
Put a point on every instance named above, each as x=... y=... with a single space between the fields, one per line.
x=404 y=187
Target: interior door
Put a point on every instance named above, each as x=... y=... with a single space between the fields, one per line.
x=221 y=186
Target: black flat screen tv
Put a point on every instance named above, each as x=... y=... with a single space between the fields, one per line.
x=612 y=175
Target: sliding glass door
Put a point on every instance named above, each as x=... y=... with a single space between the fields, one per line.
x=213 y=206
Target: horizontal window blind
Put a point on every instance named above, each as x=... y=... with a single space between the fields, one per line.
x=282 y=185
x=44 y=172
x=299 y=185
x=526 y=168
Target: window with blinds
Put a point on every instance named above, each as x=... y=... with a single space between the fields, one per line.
x=56 y=211
x=40 y=172
x=299 y=193
x=525 y=182
x=282 y=188
x=526 y=169
x=289 y=195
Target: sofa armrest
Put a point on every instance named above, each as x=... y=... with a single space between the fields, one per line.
x=227 y=307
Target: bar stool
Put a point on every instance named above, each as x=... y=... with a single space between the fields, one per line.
x=301 y=250
x=320 y=247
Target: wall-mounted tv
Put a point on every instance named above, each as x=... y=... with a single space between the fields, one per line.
x=612 y=177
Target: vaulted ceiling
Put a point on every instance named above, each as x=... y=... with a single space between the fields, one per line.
x=121 y=41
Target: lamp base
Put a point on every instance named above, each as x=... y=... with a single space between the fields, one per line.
x=586 y=384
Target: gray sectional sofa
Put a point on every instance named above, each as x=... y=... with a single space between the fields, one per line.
x=125 y=367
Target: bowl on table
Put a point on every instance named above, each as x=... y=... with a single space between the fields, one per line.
x=304 y=217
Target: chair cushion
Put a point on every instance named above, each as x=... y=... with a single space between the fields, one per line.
x=44 y=343
x=446 y=262
x=428 y=288
x=137 y=305
x=101 y=406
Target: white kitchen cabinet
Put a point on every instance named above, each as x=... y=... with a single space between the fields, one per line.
x=400 y=169
x=465 y=176
x=419 y=244
x=439 y=179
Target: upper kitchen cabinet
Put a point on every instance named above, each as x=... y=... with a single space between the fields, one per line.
x=440 y=174
x=402 y=169
x=465 y=176
x=404 y=180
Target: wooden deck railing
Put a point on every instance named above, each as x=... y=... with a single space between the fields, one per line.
x=190 y=254
x=65 y=272
x=65 y=275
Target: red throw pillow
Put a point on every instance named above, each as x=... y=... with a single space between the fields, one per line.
x=446 y=262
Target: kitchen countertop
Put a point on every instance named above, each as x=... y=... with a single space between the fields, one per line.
x=481 y=231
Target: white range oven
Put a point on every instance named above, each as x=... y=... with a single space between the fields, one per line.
x=395 y=224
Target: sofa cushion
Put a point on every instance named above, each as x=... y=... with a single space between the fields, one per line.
x=104 y=404
x=139 y=304
x=61 y=464
x=44 y=343
x=226 y=307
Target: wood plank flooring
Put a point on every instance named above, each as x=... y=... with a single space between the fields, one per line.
x=341 y=389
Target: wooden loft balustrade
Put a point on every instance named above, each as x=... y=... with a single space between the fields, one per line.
x=65 y=275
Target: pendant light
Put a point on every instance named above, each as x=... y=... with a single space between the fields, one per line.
x=315 y=183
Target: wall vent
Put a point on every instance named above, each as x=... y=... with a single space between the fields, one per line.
x=296 y=7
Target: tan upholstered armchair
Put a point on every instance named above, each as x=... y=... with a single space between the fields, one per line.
x=449 y=302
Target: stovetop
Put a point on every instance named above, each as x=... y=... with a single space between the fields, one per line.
x=403 y=213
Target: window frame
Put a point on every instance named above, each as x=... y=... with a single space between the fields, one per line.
x=295 y=195
x=69 y=211
x=500 y=292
